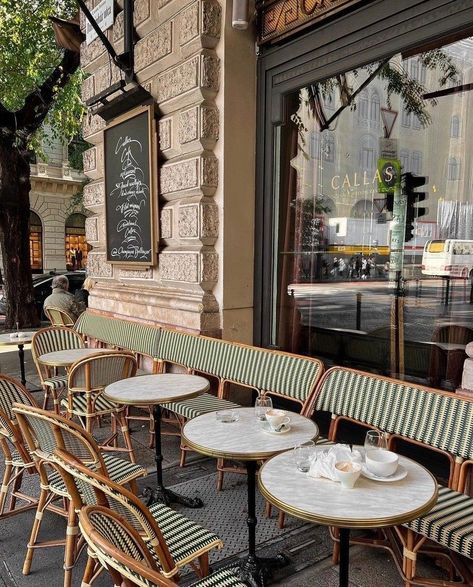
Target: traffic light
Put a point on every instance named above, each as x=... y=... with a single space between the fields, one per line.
x=409 y=183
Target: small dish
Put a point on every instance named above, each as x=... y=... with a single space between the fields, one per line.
x=397 y=476
x=284 y=428
x=227 y=416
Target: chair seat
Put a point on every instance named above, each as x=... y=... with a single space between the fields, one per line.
x=120 y=470
x=449 y=522
x=201 y=404
x=102 y=405
x=185 y=538
x=56 y=382
x=223 y=578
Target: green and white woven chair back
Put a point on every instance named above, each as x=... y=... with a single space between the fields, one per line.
x=279 y=373
x=55 y=338
x=11 y=392
x=96 y=372
x=416 y=412
x=141 y=338
x=59 y=317
x=47 y=430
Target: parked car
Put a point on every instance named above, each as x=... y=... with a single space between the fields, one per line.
x=42 y=288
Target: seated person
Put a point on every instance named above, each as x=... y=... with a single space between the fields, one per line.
x=62 y=299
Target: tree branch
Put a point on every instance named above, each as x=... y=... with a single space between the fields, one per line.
x=7 y=119
x=37 y=104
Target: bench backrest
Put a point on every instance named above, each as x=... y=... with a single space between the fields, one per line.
x=283 y=374
x=439 y=419
x=124 y=334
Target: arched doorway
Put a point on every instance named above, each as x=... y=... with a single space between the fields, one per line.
x=36 y=243
x=76 y=247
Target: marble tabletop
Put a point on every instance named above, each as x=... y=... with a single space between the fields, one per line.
x=67 y=357
x=370 y=504
x=26 y=337
x=244 y=439
x=161 y=388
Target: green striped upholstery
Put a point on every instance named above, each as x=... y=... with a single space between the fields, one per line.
x=200 y=405
x=449 y=523
x=119 y=535
x=125 y=334
x=101 y=406
x=441 y=420
x=49 y=340
x=275 y=372
x=57 y=382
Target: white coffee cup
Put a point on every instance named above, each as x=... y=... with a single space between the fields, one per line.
x=382 y=463
x=277 y=419
x=347 y=472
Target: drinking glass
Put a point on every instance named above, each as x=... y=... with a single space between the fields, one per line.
x=304 y=455
x=263 y=403
x=375 y=440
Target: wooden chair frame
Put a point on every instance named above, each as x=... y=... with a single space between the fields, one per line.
x=59 y=317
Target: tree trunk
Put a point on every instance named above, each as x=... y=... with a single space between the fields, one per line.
x=14 y=225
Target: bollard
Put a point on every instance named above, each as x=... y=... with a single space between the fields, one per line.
x=358 y=311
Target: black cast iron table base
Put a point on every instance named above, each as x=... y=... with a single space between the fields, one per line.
x=161 y=494
x=258 y=572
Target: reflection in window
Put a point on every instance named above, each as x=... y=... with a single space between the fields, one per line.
x=404 y=156
x=416 y=123
x=416 y=166
x=329 y=148
x=36 y=242
x=453 y=169
x=329 y=101
x=406 y=118
x=368 y=153
x=375 y=107
x=314 y=144
x=361 y=209
x=363 y=106
x=455 y=127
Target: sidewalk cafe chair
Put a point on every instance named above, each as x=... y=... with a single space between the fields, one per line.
x=172 y=539
x=59 y=317
x=49 y=340
x=120 y=549
x=17 y=460
x=43 y=432
x=87 y=379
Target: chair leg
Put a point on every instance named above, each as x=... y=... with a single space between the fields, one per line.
x=14 y=489
x=7 y=475
x=220 y=464
x=89 y=572
x=281 y=520
x=268 y=510
x=204 y=564
x=71 y=541
x=126 y=436
x=42 y=501
x=182 y=462
x=336 y=546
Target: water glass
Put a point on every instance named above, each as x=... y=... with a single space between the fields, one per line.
x=263 y=403
x=375 y=439
x=304 y=455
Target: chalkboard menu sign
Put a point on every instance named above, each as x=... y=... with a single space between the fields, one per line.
x=130 y=187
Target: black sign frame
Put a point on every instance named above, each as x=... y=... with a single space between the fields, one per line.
x=130 y=154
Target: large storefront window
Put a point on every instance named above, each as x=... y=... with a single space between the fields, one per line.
x=75 y=242
x=36 y=243
x=365 y=275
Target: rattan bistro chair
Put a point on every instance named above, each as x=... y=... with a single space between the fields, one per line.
x=87 y=379
x=172 y=539
x=59 y=317
x=120 y=549
x=49 y=340
x=44 y=432
x=17 y=460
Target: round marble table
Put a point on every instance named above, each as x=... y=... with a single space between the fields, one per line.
x=26 y=338
x=155 y=390
x=370 y=504
x=246 y=440
x=68 y=357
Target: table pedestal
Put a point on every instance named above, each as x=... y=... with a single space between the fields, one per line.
x=256 y=571
x=344 y=556
x=21 y=354
x=161 y=494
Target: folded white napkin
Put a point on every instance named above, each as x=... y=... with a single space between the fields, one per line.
x=324 y=466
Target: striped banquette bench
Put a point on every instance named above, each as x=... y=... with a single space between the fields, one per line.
x=439 y=421
x=275 y=373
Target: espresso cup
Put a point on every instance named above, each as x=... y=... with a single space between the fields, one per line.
x=277 y=419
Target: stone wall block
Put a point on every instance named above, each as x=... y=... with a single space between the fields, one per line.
x=211 y=19
x=106 y=76
x=209 y=122
x=209 y=171
x=189 y=221
x=209 y=264
x=154 y=46
x=183 y=267
x=177 y=80
x=89 y=158
x=166 y=231
x=94 y=194
x=136 y=273
x=92 y=229
x=189 y=125
x=140 y=14
x=88 y=88
x=89 y=53
x=97 y=265
x=209 y=220
x=190 y=23
x=92 y=125
x=183 y=175
x=165 y=134
x=210 y=71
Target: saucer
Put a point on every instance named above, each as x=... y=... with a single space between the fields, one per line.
x=397 y=476
x=284 y=428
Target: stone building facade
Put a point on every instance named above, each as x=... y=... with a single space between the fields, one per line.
x=195 y=66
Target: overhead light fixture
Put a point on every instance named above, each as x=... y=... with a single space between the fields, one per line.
x=240 y=17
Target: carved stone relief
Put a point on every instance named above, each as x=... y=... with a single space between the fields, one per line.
x=166 y=223
x=94 y=194
x=165 y=134
x=154 y=46
x=97 y=265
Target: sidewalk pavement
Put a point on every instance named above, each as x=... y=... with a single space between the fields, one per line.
x=309 y=550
